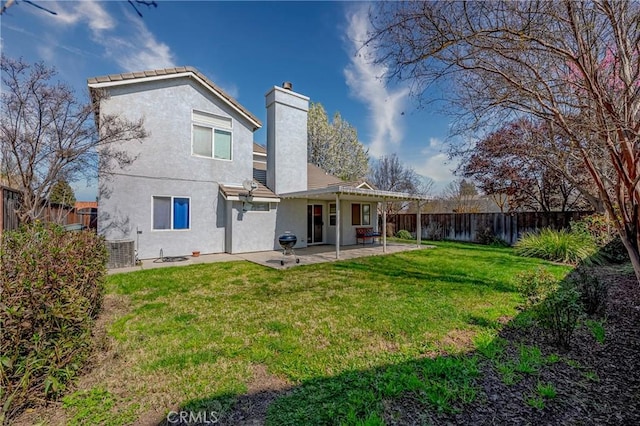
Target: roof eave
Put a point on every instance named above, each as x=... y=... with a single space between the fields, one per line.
x=189 y=73
x=349 y=190
x=251 y=198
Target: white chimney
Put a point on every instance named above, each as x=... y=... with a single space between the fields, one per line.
x=286 y=139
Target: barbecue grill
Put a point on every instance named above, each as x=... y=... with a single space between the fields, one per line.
x=287 y=241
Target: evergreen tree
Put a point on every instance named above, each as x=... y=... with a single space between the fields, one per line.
x=62 y=194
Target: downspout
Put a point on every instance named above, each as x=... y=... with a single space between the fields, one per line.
x=338 y=225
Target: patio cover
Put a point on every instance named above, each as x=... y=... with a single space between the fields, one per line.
x=351 y=191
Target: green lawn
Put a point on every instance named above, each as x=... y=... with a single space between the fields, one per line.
x=345 y=336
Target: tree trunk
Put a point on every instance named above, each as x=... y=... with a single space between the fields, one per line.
x=634 y=255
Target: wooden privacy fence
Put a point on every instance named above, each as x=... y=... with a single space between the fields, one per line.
x=10 y=199
x=8 y=203
x=468 y=226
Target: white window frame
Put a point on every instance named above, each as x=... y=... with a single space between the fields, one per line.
x=171 y=229
x=334 y=214
x=362 y=215
x=253 y=203
x=196 y=121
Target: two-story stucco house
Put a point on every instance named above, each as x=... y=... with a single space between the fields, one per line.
x=200 y=183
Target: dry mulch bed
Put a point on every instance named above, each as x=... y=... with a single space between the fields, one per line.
x=610 y=397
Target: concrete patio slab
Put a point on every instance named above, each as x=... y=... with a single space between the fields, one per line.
x=324 y=253
x=308 y=256
x=189 y=260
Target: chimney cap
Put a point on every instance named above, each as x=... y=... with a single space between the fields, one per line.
x=287 y=85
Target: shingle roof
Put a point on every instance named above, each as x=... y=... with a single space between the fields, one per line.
x=235 y=191
x=259 y=149
x=169 y=72
x=318 y=178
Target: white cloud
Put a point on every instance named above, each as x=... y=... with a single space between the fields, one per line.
x=139 y=50
x=437 y=167
x=366 y=82
x=47 y=52
x=90 y=12
x=230 y=89
x=126 y=40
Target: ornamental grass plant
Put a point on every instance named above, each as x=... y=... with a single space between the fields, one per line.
x=559 y=246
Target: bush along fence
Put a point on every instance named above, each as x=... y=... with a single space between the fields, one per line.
x=483 y=227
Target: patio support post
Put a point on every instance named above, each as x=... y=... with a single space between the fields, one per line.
x=418 y=224
x=338 y=225
x=384 y=225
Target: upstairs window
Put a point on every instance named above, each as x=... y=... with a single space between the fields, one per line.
x=211 y=136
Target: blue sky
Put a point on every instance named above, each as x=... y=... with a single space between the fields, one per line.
x=245 y=48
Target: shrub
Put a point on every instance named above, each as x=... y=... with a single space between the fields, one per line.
x=597 y=226
x=51 y=284
x=559 y=246
x=488 y=238
x=597 y=329
x=593 y=292
x=391 y=229
x=600 y=228
x=404 y=235
x=434 y=232
x=535 y=286
x=560 y=312
x=614 y=251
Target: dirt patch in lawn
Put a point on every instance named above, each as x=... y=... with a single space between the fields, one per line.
x=251 y=408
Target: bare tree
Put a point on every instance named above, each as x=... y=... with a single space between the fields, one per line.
x=47 y=135
x=461 y=196
x=389 y=174
x=574 y=65
x=38 y=5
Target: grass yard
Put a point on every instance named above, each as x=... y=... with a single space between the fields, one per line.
x=327 y=343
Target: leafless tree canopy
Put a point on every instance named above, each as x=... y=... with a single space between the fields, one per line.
x=460 y=196
x=40 y=5
x=389 y=174
x=575 y=65
x=48 y=135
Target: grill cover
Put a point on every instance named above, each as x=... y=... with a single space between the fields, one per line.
x=287 y=240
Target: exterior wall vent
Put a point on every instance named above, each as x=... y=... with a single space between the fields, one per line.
x=122 y=254
x=287 y=85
